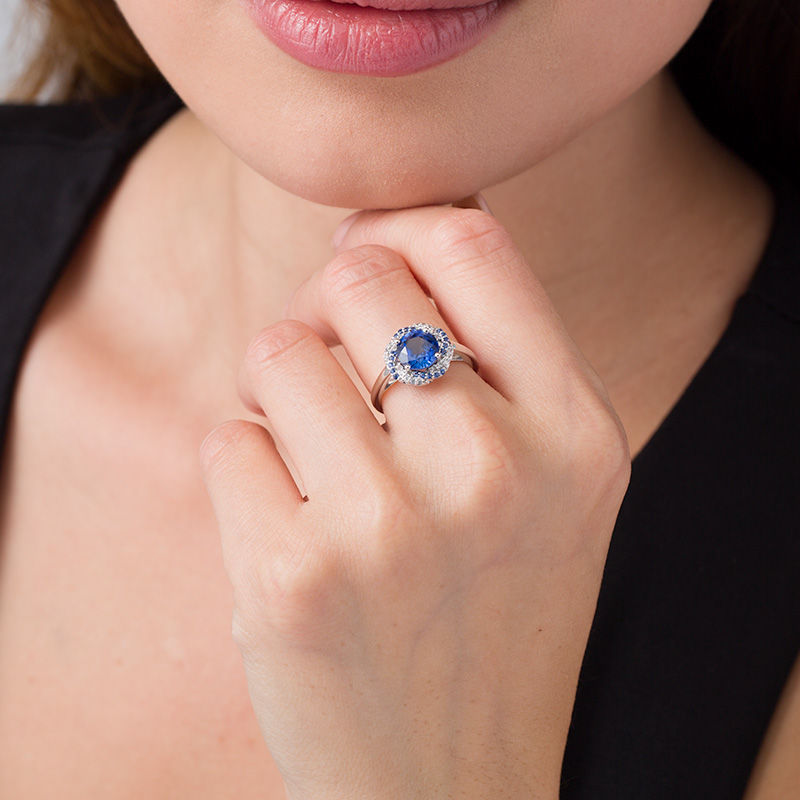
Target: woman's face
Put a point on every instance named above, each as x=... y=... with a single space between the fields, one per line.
x=542 y=72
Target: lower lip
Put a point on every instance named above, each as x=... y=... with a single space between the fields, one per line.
x=339 y=37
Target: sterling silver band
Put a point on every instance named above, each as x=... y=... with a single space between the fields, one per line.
x=385 y=380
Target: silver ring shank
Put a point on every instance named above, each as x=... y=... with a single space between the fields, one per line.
x=385 y=379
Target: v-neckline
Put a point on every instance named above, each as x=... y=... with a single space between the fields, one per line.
x=779 y=228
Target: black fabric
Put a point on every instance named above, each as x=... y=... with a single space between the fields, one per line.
x=57 y=165
x=698 y=621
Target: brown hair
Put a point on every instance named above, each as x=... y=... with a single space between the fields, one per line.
x=86 y=50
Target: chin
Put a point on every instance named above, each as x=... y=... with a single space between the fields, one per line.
x=348 y=174
x=361 y=189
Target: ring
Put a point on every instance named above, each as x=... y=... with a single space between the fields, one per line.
x=418 y=354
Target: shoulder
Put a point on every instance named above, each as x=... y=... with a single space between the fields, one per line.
x=54 y=156
x=101 y=123
x=56 y=163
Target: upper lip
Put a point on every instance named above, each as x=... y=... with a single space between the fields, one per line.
x=412 y=5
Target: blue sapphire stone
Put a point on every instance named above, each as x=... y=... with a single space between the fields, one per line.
x=417 y=349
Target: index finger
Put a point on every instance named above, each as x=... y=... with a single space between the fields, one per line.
x=485 y=290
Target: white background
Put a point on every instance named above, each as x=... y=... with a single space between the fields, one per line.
x=12 y=54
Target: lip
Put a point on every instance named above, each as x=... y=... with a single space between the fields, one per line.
x=412 y=5
x=403 y=37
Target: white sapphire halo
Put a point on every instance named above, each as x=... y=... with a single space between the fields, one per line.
x=418 y=354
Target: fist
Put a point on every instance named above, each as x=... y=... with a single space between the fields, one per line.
x=413 y=625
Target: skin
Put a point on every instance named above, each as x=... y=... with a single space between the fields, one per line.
x=577 y=95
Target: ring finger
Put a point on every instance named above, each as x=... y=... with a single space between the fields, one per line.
x=361 y=298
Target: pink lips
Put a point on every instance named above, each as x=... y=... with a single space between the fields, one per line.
x=386 y=38
x=412 y=5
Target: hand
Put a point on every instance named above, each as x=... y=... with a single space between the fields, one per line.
x=415 y=628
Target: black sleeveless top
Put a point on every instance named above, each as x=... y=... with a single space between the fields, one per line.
x=698 y=621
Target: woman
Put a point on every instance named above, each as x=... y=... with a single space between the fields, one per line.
x=415 y=595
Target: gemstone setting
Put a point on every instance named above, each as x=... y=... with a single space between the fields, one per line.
x=417 y=349
x=418 y=354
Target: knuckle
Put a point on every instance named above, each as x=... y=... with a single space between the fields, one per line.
x=302 y=591
x=274 y=340
x=386 y=504
x=355 y=272
x=597 y=445
x=400 y=543
x=243 y=632
x=492 y=465
x=222 y=445
x=490 y=485
x=610 y=455
x=382 y=509
x=600 y=480
x=472 y=237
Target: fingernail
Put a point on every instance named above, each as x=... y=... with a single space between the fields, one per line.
x=341 y=231
x=482 y=203
x=476 y=200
